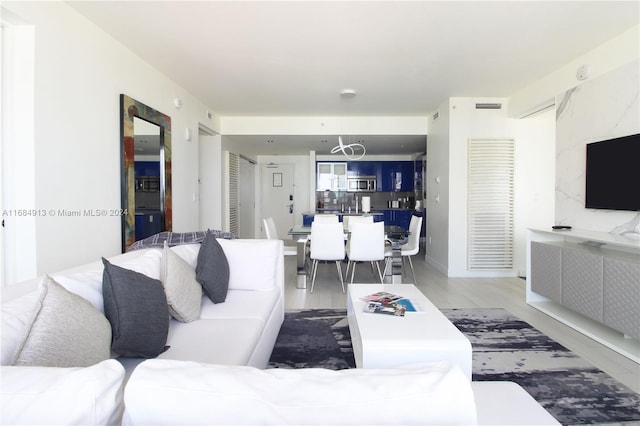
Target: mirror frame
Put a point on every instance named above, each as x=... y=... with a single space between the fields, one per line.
x=130 y=108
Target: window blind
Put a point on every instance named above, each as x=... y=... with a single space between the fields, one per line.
x=490 y=204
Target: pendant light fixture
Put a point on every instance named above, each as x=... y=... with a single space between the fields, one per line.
x=353 y=151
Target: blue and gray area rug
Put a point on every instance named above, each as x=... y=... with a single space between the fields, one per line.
x=504 y=348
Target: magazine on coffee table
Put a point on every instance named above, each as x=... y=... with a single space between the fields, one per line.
x=388 y=303
x=381 y=297
x=385 y=308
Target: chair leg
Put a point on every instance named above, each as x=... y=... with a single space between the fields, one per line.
x=353 y=271
x=346 y=272
x=379 y=274
x=415 y=282
x=314 y=269
x=340 y=274
x=387 y=263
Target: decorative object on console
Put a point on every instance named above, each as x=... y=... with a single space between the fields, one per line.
x=629 y=229
x=137 y=309
x=212 y=269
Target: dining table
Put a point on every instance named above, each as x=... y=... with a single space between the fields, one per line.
x=395 y=235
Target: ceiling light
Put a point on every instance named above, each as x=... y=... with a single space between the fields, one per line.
x=348 y=93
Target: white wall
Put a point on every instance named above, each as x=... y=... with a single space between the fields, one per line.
x=210 y=190
x=601 y=59
x=599 y=109
x=437 y=190
x=534 y=179
x=324 y=125
x=79 y=74
x=466 y=122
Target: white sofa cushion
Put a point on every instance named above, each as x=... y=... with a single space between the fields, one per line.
x=188 y=253
x=64 y=330
x=183 y=292
x=62 y=396
x=218 y=341
x=16 y=316
x=242 y=304
x=252 y=267
x=162 y=392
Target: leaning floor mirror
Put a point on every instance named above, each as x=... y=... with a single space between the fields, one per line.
x=145 y=171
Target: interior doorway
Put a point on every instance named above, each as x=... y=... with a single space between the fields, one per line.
x=277 y=196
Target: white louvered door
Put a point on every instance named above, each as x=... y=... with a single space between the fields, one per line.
x=490 y=204
x=233 y=192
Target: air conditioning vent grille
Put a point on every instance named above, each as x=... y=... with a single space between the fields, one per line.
x=488 y=106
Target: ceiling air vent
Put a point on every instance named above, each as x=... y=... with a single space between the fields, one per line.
x=436 y=115
x=488 y=106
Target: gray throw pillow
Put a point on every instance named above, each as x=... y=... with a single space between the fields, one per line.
x=65 y=330
x=184 y=293
x=212 y=269
x=136 y=307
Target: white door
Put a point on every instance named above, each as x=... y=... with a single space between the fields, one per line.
x=277 y=196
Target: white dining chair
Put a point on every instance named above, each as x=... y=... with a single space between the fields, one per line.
x=366 y=244
x=272 y=234
x=410 y=248
x=327 y=245
x=347 y=220
x=325 y=218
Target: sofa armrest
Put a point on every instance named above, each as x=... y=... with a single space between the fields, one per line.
x=52 y=395
x=507 y=403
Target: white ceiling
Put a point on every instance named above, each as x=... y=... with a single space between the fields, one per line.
x=273 y=58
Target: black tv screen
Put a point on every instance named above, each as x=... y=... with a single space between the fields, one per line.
x=613 y=174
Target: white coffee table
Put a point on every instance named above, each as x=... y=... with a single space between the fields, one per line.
x=386 y=341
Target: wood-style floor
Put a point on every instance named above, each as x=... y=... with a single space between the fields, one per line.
x=507 y=293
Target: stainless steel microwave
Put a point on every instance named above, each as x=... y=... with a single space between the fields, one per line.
x=148 y=183
x=361 y=184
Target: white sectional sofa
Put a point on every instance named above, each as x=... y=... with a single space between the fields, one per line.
x=213 y=370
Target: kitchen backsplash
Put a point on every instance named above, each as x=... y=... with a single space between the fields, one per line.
x=379 y=200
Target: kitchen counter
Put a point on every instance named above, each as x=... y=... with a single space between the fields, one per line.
x=338 y=212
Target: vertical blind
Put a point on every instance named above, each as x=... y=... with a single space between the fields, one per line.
x=233 y=191
x=490 y=204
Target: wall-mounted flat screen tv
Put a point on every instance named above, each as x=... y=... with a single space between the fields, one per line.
x=613 y=174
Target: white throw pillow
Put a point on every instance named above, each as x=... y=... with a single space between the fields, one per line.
x=62 y=396
x=188 y=252
x=166 y=392
x=184 y=293
x=64 y=330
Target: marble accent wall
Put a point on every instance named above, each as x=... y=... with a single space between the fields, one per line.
x=599 y=109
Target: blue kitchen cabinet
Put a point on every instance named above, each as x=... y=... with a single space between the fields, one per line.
x=363 y=168
x=395 y=217
x=396 y=176
x=146 y=168
x=403 y=218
